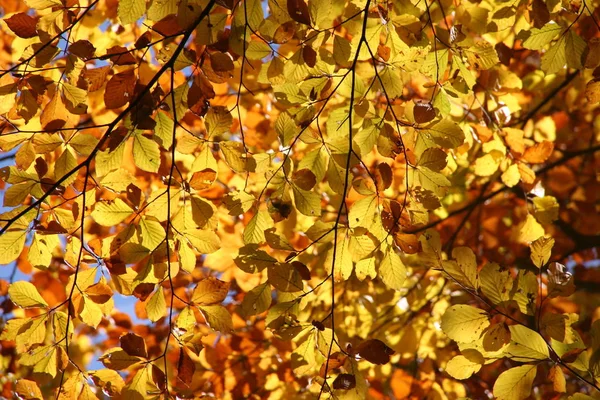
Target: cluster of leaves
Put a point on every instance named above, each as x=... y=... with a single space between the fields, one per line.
x=299 y=198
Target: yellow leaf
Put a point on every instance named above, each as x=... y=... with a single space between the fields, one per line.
x=511 y=176
x=25 y=295
x=464 y=323
x=111 y=213
x=526 y=345
x=461 y=367
x=146 y=153
x=530 y=230
x=156 y=307
x=541 y=250
x=130 y=11
x=218 y=318
x=203 y=241
x=255 y=230
x=307 y=201
x=28 y=390
x=11 y=245
x=464 y=269
x=495 y=283
x=546 y=209
x=392 y=270
x=486 y=165
x=364 y=268
x=256 y=301
x=515 y=384
x=210 y=291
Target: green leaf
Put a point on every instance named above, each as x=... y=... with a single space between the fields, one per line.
x=130 y=11
x=257 y=50
x=464 y=323
x=25 y=295
x=159 y=9
x=156 y=308
x=146 y=153
x=538 y=38
x=11 y=245
x=110 y=213
x=526 y=345
x=555 y=57
x=515 y=384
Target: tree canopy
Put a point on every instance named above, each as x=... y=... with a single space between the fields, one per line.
x=281 y=199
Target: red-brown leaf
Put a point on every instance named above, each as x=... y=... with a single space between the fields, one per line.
x=134 y=345
x=298 y=10
x=22 y=25
x=119 y=90
x=375 y=351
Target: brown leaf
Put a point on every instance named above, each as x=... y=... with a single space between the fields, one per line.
x=496 y=337
x=94 y=78
x=168 y=26
x=344 y=382
x=571 y=355
x=185 y=367
x=22 y=25
x=309 y=55
x=383 y=176
x=423 y=112
x=119 y=90
x=141 y=291
x=408 y=242
x=375 y=351
x=119 y=55
x=99 y=292
x=298 y=10
x=284 y=33
x=143 y=40
x=134 y=345
x=539 y=153
x=302 y=270
x=221 y=62
x=305 y=179
x=203 y=179
x=592 y=91
x=82 y=49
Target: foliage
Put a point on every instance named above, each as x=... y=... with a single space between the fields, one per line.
x=295 y=199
